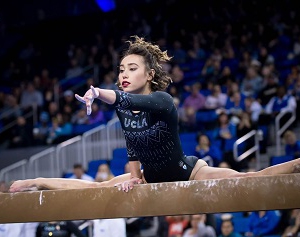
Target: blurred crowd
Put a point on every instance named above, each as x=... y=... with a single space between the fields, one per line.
x=225 y=59
x=235 y=67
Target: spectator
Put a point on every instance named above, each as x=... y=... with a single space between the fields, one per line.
x=282 y=102
x=252 y=82
x=97 y=115
x=74 y=69
x=53 y=110
x=41 y=130
x=263 y=223
x=88 y=83
x=268 y=90
x=193 y=102
x=104 y=173
x=233 y=87
x=211 y=70
x=245 y=57
x=109 y=227
x=11 y=108
x=293 y=229
x=217 y=99
x=207 y=151
x=80 y=117
x=54 y=130
x=58 y=229
x=109 y=81
x=226 y=135
x=235 y=105
x=253 y=108
x=245 y=125
x=296 y=92
x=292 y=144
x=199 y=228
x=177 y=225
x=227 y=229
x=61 y=129
x=174 y=92
x=196 y=50
x=177 y=76
x=183 y=121
x=226 y=132
x=179 y=54
x=45 y=79
x=153 y=226
x=226 y=76
x=264 y=57
x=21 y=134
x=224 y=164
x=68 y=99
x=49 y=96
x=18 y=229
x=31 y=97
x=79 y=173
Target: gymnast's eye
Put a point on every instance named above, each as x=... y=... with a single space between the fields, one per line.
x=133 y=69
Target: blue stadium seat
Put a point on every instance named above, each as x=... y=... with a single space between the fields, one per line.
x=207 y=119
x=241 y=224
x=188 y=147
x=188 y=142
x=108 y=114
x=188 y=136
x=79 y=129
x=67 y=175
x=119 y=159
x=275 y=160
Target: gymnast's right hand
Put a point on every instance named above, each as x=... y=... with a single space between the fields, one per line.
x=128 y=185
x=88 y=98
x=22 y=185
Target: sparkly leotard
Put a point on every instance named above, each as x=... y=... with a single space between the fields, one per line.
x=152 y=136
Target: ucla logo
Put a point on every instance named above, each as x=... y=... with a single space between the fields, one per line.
x=135 y=124
x=182 y=165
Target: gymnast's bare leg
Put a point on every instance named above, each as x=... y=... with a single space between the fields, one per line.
x=202 y=171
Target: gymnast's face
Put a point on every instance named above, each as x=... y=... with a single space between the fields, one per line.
x=133 y=76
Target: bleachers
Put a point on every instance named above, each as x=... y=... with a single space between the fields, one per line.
x=118 y=161
x=275 y=160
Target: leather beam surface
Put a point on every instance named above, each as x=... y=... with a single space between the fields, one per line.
x=158 y=199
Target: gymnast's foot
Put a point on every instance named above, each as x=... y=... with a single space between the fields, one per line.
x=22 y=185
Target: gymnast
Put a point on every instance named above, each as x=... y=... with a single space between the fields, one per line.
x=149 y=120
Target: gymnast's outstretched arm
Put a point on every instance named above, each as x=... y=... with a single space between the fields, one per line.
x=65 y=183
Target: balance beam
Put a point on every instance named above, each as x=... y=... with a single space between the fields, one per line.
x=158 y=199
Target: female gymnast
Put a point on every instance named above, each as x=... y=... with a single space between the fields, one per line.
x=149 y=121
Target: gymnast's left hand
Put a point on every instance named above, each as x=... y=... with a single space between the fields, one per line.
x=128 y=185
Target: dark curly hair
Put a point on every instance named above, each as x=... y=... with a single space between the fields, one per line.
x=153 y=57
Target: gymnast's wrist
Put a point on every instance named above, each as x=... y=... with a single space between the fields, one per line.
x=135 y=177
x=140 y=180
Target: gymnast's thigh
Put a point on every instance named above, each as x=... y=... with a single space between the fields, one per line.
x=208 y=172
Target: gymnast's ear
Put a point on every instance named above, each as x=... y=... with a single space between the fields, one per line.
x=152 y=73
